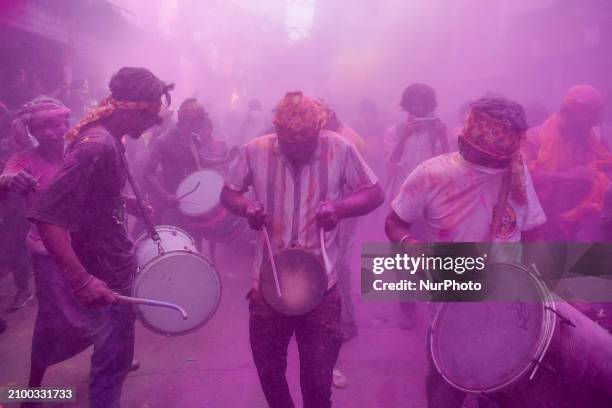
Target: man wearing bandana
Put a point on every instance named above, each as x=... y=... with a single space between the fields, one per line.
x=457 y=194
x=39 y=127
x=299 y=173
x=185 y=149
x=81 y=218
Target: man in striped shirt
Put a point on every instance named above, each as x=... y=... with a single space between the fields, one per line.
x=297 y=176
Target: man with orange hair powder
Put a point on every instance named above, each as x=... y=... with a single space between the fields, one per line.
x=299 y=173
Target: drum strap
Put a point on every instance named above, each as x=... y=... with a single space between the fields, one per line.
x=194 y=151
x=145 y=215
x=500 y=206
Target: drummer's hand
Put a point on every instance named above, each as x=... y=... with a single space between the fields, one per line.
x=255 y=215
x=326 y=216
x=148 y=209
x=96 y=293
x=20 y=182
x=134 y=209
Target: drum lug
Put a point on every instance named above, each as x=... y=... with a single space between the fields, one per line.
x=563 y=319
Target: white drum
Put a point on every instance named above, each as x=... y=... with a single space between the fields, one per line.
x=199 y=192
x=179 y=275
x=532 y=350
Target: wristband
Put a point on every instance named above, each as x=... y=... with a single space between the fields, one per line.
x=404 y=238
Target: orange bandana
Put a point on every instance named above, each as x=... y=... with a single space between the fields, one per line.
x=106 y=108
x=497 y=139
x=549 y=159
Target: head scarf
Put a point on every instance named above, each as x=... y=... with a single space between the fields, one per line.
x=583 y=100
x=131 y=88
x=105 y=109
x=297 y=113
x=496 y=127
x=33 y=113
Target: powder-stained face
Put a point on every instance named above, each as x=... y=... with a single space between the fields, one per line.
x=139 y=121
x=583 y=107
x=50 y=132
x=298 y=146
x=579 y=119
x=418 y=107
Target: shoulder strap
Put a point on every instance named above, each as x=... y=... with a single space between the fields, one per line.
x=498 y=210
x=145 y=215
x=194 y=151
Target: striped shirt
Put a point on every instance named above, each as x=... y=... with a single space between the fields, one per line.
x=291 y=199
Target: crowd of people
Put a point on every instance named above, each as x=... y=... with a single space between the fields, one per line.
x=494 y=179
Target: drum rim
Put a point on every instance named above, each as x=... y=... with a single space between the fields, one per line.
x=545 y=337
x=145 y=235
x=202 y=171
x=140 y=275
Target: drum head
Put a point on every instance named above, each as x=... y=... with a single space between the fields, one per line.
x=302 y=279
x=172 y=238
x=183 y=278
x=485 y=346
x=202 y=190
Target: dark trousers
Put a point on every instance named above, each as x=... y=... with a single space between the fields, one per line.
x=21 y=269
x=318 y=337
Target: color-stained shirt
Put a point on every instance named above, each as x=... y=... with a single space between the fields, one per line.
x=30 y=161
x=291 y=199
x=419 y=147
x=177 y=159
x=86 y=197
x=457 y=198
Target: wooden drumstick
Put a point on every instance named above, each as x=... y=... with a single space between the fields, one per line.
x=271 y=256
x=324 y=251
x=151 y=302
x=189 y=192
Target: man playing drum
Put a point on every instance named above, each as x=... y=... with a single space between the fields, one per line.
x=456 y=194
x=81 y=219
x=297 y=176
x=185 y=149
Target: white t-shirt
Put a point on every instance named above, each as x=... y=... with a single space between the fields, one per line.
x=418 y=148
x=456 y=199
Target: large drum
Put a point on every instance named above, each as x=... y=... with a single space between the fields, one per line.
x=199 y=203
x=293 y=281
x=533 y=351
x=302 y=282
x=176 y=274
